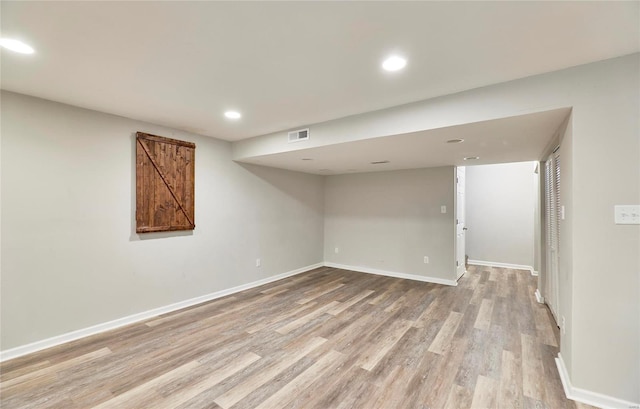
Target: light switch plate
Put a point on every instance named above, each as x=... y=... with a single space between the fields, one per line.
x=627 y=214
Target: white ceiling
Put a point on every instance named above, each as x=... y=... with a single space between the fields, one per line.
x=514 y=139
x=286 y=64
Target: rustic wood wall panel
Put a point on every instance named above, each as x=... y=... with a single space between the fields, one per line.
x=165 y=188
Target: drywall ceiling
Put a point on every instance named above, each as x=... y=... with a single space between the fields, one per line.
x=289 y=64
x=513 y=139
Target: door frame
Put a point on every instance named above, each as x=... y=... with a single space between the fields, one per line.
x=459 y=228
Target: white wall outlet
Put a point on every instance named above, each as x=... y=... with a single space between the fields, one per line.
x=443 y=209
x=561 y=212
x=627 y=214
x=563 y=326
x=337 y=250
x=258 y=262
x=426 y=259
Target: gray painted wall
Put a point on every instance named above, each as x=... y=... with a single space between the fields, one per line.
x=603 y=263
x=390 y=220
x=71 y=258
x=500 y=211
x=606 y=152
x=565 y=254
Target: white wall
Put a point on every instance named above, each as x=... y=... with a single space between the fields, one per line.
x=605 y=265
x=603 y=260
x=71 y=258
x=500 y=211
x=606 y=171
x=390 y=220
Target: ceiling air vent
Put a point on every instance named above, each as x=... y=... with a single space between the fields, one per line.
x=299 y=135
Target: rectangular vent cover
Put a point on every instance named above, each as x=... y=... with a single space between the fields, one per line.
x=299 y=135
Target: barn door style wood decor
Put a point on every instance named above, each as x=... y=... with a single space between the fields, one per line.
x=165 y=190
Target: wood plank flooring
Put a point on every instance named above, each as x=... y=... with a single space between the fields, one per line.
x=328 y=338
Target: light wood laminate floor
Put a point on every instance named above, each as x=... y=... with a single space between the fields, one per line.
x=327 y=338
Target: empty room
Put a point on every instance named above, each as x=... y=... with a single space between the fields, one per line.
x=377 y=205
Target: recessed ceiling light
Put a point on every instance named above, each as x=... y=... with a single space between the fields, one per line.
x=306 y=159
x=472 y=158
x=379 y=162
x=455 y=141
x=394 y=63
x=233 y=114
x=16 y=45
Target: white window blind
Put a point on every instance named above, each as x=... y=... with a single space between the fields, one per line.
x=552 y=223
x=549 y=201
x=552 y=199
x=556 y=196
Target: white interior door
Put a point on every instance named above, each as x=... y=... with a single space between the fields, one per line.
x=460 y=222
x=552 y=222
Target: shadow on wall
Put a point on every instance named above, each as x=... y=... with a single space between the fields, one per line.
x=284 y=181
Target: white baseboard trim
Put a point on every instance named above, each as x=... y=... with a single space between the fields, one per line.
x=368 y=270
x=590 y=398
x=145 y=315
x=534 y=273
x=503 y=265
x=539 y=296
